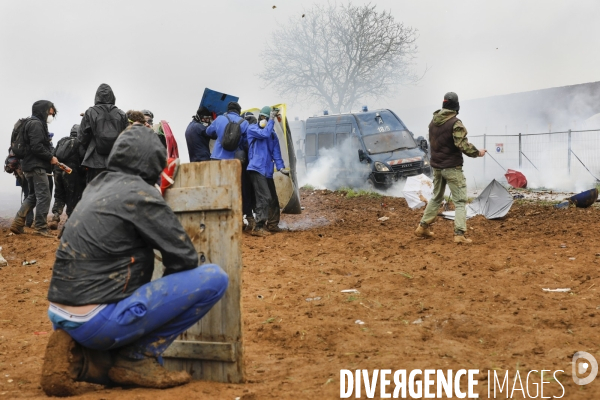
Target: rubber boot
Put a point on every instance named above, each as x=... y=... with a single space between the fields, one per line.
x=424 y=231
x=146 y=372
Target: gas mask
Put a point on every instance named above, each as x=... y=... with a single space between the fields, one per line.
x=262 y=123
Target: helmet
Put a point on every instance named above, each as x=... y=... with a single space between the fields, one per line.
x=148 y=113
x=265 y=111
x=451 y=101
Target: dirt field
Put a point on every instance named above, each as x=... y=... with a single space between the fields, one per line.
x=426 y=304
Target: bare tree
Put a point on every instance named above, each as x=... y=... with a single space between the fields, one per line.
x=339 y=55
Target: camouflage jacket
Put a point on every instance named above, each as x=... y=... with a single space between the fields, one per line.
x=459 y=132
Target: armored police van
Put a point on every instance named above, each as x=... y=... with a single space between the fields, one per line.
x=381 y=147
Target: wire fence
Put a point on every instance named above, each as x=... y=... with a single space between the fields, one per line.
x=567 y=160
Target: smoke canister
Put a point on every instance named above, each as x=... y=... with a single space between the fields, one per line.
x=65 y=168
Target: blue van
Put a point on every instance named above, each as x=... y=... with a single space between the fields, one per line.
x=385 y=149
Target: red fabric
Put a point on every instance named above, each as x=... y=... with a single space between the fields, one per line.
x=168 y=174
x=516 y=179
x=172 y=150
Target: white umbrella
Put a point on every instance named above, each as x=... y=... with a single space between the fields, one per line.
x=418 y=190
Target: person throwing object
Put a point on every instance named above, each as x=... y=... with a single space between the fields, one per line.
x=448 y=141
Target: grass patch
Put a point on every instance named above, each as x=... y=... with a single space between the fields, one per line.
x=350 y=193
x=308 y=187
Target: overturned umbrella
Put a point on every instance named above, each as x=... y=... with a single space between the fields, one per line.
x=514 y=178
x=493 y=202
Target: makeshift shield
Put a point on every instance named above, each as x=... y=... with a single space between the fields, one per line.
x=418 y=190
x=216 y=102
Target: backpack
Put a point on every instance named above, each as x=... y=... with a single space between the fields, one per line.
x=232 y=134
x=19 y=145
x=108 y=128
x=67 y=149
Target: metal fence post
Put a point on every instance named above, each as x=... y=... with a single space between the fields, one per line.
x=520 y=152
x=484 y=146
x=569 y=155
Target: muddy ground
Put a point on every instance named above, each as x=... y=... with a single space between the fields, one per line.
x=425 y=303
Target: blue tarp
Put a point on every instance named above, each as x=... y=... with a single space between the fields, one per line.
x=216 y=101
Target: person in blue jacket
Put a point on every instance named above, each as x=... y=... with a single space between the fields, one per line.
x=263 y=151
x=198 y=142
x=217 y=128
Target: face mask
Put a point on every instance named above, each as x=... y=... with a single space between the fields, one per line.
x=262 y=123
x=50 y=119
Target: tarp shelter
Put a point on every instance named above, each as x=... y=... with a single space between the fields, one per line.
x=493 y=202
x=515 y=179
x=216 y=102
x=417 y=191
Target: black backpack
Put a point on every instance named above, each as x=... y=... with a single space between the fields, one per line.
x=19 y=145
x=233 y=133
x=108 y=128
x=67 y=149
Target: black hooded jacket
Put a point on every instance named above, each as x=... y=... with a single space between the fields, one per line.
x=36 y=132
x=106 y=251
x=73 y=160
x=100 y=127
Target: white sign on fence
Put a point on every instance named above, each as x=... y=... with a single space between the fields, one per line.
x=499 y=147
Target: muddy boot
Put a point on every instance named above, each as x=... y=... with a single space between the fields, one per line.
x=17 y=229
x=146 y=372
x=53 y=224
x=460 y=238
x=96 y=365
x=260 y=232
x=424 y=231
x=251 y=224
x=273 y=228
x=44 y=233
x=62 y=365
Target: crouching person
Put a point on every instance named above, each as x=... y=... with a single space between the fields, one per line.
x=111 y=323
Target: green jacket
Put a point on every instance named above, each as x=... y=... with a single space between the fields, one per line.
x=459 y=132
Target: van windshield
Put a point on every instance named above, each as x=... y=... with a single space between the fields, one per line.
x=389 y=141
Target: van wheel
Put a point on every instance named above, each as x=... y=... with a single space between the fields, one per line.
x=371 y=184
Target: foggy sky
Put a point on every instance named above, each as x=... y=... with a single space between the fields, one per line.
x=160 y=55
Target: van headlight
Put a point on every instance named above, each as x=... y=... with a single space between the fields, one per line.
x=381 y=167
x=426 y=163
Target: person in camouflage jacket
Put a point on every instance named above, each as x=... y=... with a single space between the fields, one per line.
x=448 y=139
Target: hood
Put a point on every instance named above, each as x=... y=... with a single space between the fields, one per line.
x=441 y=116
x=104 y=95
x=138 y=151
x=40 y=109
x=74 y=130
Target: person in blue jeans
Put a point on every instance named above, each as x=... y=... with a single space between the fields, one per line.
x=111 y=322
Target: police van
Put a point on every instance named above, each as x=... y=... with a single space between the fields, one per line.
x=383 y=148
